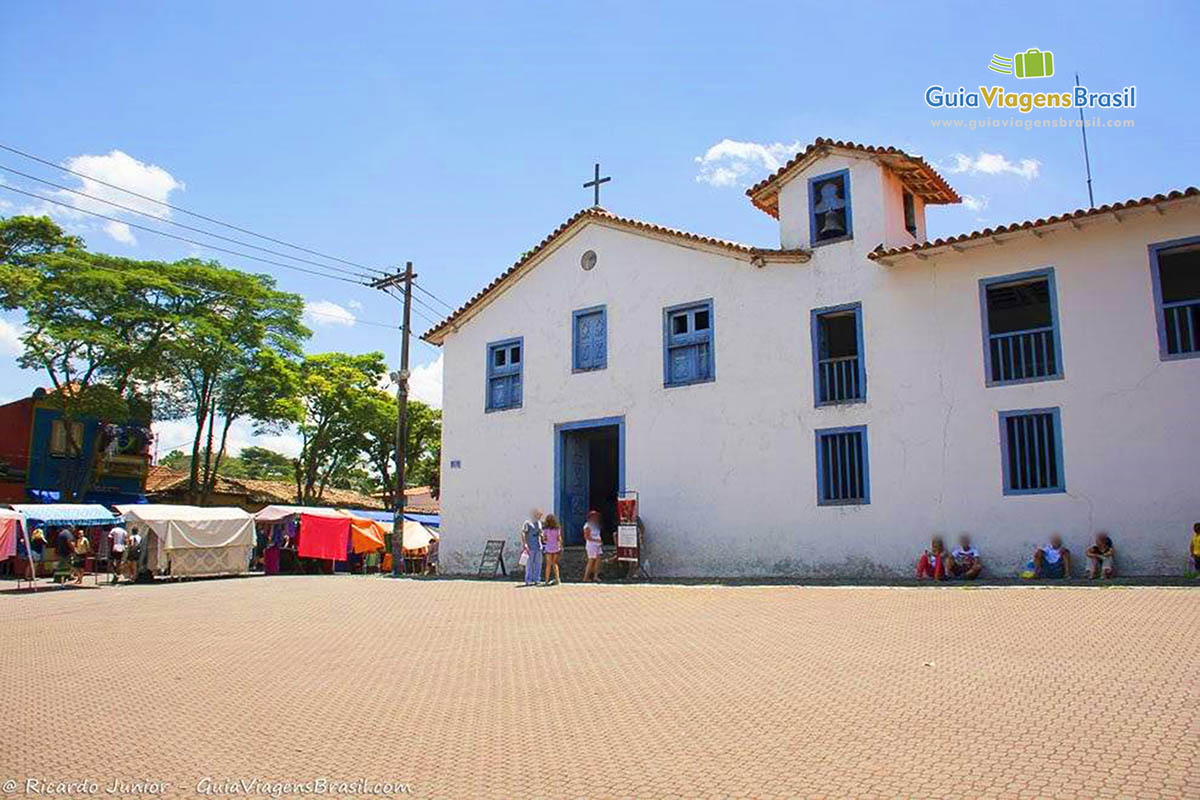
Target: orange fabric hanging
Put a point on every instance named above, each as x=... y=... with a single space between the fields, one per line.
x=366 y=535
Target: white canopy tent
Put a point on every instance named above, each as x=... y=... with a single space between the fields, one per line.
x=194 y=540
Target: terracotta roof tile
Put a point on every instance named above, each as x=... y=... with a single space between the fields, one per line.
x=597 y=213
x=1179 y=194
x=914 y=171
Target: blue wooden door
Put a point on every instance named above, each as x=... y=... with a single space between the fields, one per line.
x=575 y=483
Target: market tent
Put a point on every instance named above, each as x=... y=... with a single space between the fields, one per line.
x=366 y=535
x=417 y=536
x=386 y=517
x=10 y=531
x=277 y=513
x=194 y=540
x=72 y=514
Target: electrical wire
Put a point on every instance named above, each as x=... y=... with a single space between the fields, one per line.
x=132 y=210
x=421 y=288
x=182 y=210
x=182 y=238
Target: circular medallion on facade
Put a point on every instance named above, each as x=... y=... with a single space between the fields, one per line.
x=588 y=260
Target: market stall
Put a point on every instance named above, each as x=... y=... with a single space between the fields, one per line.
x=328 y=535
x=94 y=519
x=186 y=541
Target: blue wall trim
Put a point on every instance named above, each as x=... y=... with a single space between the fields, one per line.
x=1056 y=413
x=1160 y=321
x=1021 y=277
x=812 y=204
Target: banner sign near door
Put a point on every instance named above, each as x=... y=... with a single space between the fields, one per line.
x=628 y=544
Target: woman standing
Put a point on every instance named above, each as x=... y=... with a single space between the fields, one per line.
x=552 y=536
x=531 y=538
x=83 y=548
x=595 y=547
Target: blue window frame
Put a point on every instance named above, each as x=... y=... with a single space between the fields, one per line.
x=829 y=216
x=1031 y=451
x=589 y=339
x=1175 y=270
x=1021 y=341
x=505 y=363
x=688 y=352
x=839 y=365
x=843 y=469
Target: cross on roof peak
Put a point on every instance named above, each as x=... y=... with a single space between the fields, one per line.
x=595 y=184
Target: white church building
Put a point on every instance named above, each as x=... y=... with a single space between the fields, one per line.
x=822 y=408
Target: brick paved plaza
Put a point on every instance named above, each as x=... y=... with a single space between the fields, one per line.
x=465 y=689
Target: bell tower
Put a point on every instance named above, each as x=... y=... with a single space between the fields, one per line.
x=851 y=197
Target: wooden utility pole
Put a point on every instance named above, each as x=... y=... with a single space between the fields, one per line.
x=401 y=379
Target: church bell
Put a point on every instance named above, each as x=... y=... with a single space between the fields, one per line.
x=832 y=224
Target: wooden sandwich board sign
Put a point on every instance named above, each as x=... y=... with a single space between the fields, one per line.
x=493 y=559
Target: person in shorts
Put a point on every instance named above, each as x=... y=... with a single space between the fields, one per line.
x=964 y=561
x=1052 y=560
x=552 y=536
x=594 y=543
x=116 y=550
x=83 y=550
x=1101 y=557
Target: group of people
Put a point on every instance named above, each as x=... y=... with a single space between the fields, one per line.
x=542 y=546
x=1051 y=560
x=76 y=548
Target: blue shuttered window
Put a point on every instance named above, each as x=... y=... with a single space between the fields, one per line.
x=505 y=363
x=1020 y=328
x=839 y=368
x=843 y=473
x=1031 y=449
x=688 y=344
x=1176 y=270
x=589 y=339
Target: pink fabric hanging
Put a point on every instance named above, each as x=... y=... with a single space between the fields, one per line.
x=10 y=529
x=324 y=537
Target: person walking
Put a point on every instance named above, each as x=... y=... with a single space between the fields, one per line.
x=531 y=539
x=116 y=552
x=552 y=536
x=594 y=543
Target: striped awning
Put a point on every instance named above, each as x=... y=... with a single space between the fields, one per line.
x=67 y=513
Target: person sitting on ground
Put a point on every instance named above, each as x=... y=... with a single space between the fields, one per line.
x=932 y=563
x=1100 y=557
x=552 y=535
x=1196 y=547
x=1052 y=560
x=594 y=543
x=964 y=561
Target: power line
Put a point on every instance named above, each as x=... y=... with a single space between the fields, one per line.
x=181 y=210
x=132 y=210
x=421 y=288
x=181 y=238
x=219 y=293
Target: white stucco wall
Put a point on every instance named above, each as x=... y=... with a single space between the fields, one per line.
x=726 y=470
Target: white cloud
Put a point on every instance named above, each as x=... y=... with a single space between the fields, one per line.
x=4 y=204
x=120 y=231
x=327 y=312
x=993 y=164
x=975 y=202
x=177 y=434
x=10 y=338
x=120 y=169
x=732 y=163
x=357 y=306
x=425 y=383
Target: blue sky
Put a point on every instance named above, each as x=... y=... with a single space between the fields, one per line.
x=457 y=135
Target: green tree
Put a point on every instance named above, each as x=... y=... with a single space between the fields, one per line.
x=335 y=395
x=236 y=358
x=422 y=452
x=266 y=465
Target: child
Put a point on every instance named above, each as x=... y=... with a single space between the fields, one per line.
x=932 y=563
x=964 y=561
x=595 y=547
x=1100 y=557
x=1052 y=560
x=552 y=535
